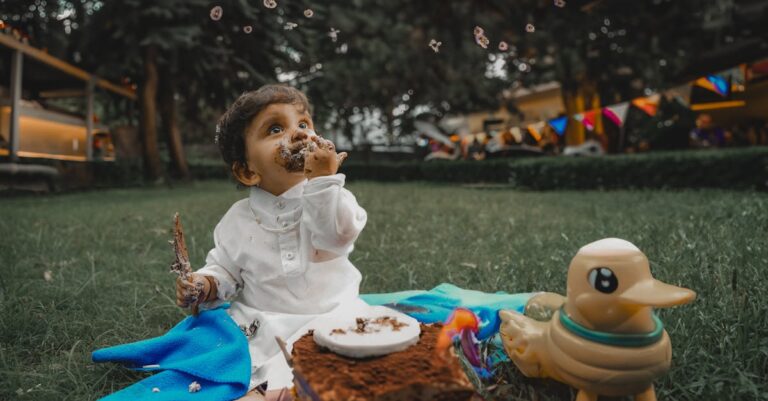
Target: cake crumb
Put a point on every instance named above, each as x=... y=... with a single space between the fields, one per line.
x=391 y=321
x=338 y=331
x=361 y=325
x=194 y=387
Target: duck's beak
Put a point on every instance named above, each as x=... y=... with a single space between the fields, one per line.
x=652 y=292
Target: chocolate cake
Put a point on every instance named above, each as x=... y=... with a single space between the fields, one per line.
x=415 y=374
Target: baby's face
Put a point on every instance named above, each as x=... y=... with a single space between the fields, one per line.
x=275 y=137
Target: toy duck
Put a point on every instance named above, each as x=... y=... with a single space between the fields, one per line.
x=603 y=338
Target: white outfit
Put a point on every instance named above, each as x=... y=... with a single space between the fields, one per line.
x=282 y=261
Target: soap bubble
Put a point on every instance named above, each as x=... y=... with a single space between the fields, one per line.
x=503 y=46
x=530 y=28
x=334 y=34
x=560 y=3
x=482 y=41
x=435 y=45
x=216 y=13
x=309 y=13
x=247 y=29
x=270 y=3
x=480 y=37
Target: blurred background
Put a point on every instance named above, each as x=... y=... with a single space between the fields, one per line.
x=100 y=93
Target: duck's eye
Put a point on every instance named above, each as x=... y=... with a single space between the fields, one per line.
x=603 y=280
x=303 y=125
x=275 y=129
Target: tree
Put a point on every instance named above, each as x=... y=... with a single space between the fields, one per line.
x=168 y=42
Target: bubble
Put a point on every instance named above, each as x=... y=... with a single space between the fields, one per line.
x=290 y=25
x=270 y=3
x=435 y=45
x=479 y=31
x=482 y=41
x=309 y=13
x=523 y=67
x=216 y=13
x=247 y=29
x=530 y=28
x=503 y=46
x=560 y=3
x=334 y=34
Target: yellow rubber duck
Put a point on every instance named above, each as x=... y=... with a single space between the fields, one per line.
x=603 y=337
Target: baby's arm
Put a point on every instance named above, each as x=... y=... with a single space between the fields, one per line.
x=219 y=279
x=331 y=214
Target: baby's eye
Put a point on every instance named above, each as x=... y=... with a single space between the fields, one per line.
x=275 y=129
x=303 y=125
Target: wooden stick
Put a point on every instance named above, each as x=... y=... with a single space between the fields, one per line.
x=284 y=349
x=181 y=264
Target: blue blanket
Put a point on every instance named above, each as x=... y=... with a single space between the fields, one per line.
x=212 y=350
x=436 y=305
x=209 y=349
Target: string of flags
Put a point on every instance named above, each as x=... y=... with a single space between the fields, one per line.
x=722 y=83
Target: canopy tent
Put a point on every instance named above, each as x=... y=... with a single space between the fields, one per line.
x=24 y=70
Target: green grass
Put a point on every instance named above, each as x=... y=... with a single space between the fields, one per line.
x=109 y=257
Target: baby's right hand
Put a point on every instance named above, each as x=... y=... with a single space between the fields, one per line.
x=193 y=291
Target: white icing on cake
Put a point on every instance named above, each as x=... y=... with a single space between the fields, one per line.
x=379 y=335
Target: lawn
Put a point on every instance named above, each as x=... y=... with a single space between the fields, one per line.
x=108 y=256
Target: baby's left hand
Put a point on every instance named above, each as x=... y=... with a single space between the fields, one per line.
x=322 y=159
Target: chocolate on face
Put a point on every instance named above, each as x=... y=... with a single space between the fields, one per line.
x=290 y=154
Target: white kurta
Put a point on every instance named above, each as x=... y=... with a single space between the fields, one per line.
x=282 y=262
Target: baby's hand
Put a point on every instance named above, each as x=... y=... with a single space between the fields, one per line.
x=193 y=291
x=322 y=159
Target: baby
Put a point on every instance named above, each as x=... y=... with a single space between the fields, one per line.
x=280 y=256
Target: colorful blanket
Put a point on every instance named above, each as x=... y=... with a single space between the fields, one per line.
x=437 y=304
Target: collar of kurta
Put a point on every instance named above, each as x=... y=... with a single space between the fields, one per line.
x=278 y=213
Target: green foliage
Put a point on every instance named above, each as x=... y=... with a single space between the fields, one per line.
x=732 y=168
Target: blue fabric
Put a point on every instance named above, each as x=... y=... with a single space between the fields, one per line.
x=436 y=305
x=209 y=349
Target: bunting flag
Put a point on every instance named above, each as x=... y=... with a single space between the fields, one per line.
x=559 y=124
x=714 y=83
x=588 y=118
x=680 y=93
x=517 y=133
x=535 y=130
x=650 y=104
x=617 y=113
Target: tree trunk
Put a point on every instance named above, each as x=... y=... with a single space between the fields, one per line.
x=152 y=168
x=170 y=125
x=574 y=134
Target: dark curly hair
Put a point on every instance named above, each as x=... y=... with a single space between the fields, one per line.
x=230 y=131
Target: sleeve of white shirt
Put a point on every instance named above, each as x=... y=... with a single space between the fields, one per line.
x=331 y=214
x=219 y=265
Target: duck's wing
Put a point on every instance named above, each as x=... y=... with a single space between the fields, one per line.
x=524 y=341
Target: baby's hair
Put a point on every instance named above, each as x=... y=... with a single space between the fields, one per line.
x=230 y=132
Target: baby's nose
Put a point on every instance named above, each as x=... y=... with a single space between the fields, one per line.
x=299 y=135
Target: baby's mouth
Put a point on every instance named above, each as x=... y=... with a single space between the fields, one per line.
x=291 y=154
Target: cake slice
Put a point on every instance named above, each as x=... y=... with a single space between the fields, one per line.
x=415 y=374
